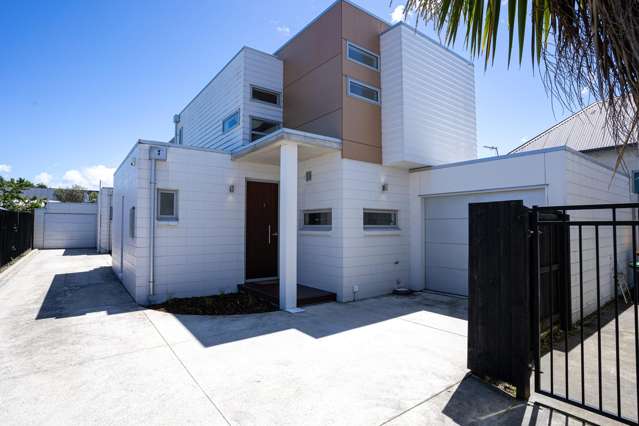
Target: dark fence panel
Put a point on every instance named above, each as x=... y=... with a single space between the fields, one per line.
x=499 y=300
x=16 y=235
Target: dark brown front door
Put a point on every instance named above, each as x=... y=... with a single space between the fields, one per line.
x=261 y=230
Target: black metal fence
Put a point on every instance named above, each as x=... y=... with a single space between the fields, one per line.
x=586 y=348
x=16 y=234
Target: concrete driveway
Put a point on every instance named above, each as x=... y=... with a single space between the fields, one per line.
x=75 y=348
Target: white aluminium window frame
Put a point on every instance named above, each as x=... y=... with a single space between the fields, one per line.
x=350 y=44
x=350 y=80
x=164 y=217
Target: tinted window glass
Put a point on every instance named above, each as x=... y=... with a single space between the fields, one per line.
x=167 y=204
x=363 y=91
x=261 y=128
x=362 y=56
x=231 y=121
x=318 y=218
x=265 y=96
x=382 y=218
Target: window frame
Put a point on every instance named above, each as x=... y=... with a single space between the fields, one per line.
x=311 y=227
x=255 y=117
x=239 y=119
x=274 y=92
x=167 y=218
x=365 y=99
x=350 y=44
x=395 y=212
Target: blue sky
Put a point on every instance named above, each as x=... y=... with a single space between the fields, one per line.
x=81 y=81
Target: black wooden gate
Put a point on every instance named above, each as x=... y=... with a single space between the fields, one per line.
x=578 y=356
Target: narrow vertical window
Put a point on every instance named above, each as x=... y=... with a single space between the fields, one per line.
x=132 y=222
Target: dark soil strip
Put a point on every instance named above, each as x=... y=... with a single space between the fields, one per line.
x=223 y=304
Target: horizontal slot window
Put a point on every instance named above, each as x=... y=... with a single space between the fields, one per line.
x=231 y=121
x=362 y=56
x=318 y=219
x=380 y=219
x=261 y=127
x=264 y=95
x=363 y=91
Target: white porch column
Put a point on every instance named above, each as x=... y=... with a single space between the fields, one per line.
x=288 y=227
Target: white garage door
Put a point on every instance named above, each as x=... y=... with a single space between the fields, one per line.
x=447 y=235
x=69 y=230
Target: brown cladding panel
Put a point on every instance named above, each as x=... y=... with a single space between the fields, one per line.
x=361 y=152
x=362 y=121
x=313 y=96
x=361 y=28
x=328 y=125
x=316 y=44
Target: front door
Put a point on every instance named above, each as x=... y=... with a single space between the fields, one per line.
x=261 y=230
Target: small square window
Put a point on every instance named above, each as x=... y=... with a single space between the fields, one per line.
x=231 y=122
x=320 y=220
x=363 y=91
x=264 y=95
x=261 y=127
x=380 y=219
x=362 y=56
x=167 y=205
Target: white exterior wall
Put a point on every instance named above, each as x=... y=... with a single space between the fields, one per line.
x=105 y=199
x=590 y=183
x=375 y=261
x=124 y=249
x=203 y=252
x=428 y=101
x=320 y=253
x=228 y=92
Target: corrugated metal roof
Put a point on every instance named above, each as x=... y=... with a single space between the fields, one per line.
x=582 y=131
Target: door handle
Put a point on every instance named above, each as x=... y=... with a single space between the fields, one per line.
x=269 y=235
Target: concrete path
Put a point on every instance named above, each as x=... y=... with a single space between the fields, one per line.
x=75 y=349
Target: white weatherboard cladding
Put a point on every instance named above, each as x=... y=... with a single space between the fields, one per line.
x=376 y=261
x=320 y=252
x=126 y=185
x=228 y=92
x=446 y=235
x=428 y=102
x=65 y=225
x=590 y=183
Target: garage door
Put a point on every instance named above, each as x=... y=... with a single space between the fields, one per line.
x=446 y=235
x=69 y=230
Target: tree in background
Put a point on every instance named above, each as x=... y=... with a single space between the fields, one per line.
x=75 y=194
x=11 y=197
x=580 y=46
x=93 y=197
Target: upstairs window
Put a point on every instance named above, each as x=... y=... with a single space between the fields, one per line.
x=264 y=95
x=261 y=127
x=362 y=56
x=231 y=122
x=374 y=219
x=363 y=91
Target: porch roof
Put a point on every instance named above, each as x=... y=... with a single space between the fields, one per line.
x=266 y=150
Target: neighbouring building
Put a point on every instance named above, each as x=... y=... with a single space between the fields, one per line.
x=344 y=161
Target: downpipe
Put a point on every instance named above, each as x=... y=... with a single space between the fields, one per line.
x=153 y=202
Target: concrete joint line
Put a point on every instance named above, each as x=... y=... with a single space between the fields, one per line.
x=188 y=371
x=434 y=328
x=435 y=395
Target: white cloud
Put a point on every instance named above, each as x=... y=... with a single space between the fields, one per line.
x=397 y=14
x=89 y=177
x=283 y=29
x=5 y=169
x=44 y=178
